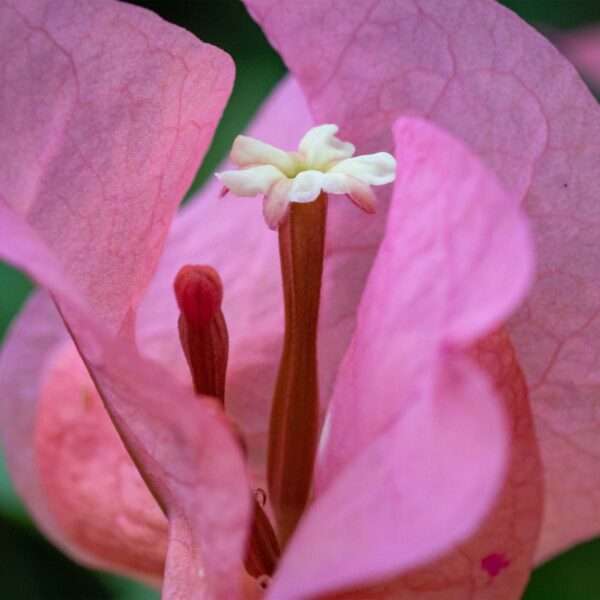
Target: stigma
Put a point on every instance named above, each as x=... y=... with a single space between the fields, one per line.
x=322 y=163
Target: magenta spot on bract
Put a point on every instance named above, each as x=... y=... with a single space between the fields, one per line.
x=494 y=563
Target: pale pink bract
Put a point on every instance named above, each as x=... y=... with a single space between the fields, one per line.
x=91 y=182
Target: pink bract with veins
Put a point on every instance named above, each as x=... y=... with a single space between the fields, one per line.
x=437 y=410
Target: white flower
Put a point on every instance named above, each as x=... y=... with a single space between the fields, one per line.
x=322 y=163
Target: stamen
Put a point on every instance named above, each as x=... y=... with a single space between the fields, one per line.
x=202 y=328
x=262 y=553
x=295 y=411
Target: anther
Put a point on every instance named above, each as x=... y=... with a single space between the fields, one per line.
x=262 y=552
x=260 y=496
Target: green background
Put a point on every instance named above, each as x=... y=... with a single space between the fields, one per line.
x=31 y=569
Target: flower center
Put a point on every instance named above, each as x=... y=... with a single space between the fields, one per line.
x=295 y=186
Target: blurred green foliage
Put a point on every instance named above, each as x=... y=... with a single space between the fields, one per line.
x=562 y=14
x=32 y=569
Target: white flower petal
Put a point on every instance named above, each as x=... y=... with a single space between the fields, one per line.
x=359 y=192
x=247 y=152
x=362 y=195
x=322 y=163
x=336 y=183
x=374 y=169
x=251 y=181
x=320 y=147
x=276 y=203
x=306 y=186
